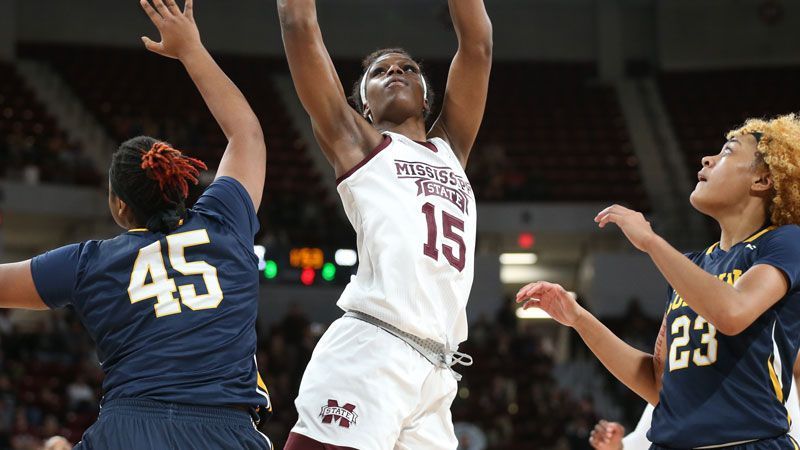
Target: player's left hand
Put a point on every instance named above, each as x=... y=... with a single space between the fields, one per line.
x=179 y=33
x=636 y=228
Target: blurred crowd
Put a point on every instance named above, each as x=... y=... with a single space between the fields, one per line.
x=34 y=159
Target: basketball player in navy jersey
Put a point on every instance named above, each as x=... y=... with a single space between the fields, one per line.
x=609 y=435
x=171 y=303
x=721 y=372
x=380 y=378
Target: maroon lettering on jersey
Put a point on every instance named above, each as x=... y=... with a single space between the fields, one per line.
x=343 y=415
x=438 y=181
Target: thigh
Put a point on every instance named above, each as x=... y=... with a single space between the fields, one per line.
x=300 y=442
x=359 y=387
x=432 y=425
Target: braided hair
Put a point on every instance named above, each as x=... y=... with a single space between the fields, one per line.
x=153 y=178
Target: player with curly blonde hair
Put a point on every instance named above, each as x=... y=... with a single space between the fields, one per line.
x=778 y=150
x=721 y=371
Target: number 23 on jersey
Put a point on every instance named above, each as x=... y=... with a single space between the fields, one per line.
x=161 y=287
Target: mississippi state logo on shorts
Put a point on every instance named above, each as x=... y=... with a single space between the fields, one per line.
x=343 y=415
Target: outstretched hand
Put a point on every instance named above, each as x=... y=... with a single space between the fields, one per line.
x=179 y=33
x=607 y=436
x=552 y=299
x=636 y=228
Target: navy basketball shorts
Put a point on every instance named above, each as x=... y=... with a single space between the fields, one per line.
x=784 y=442
x=147 y=424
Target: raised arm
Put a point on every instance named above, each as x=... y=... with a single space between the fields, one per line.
x=640 y=371
x=245 y=158
x=468 y=80
x=730 y=307
x=18 y=288
x=344 y=136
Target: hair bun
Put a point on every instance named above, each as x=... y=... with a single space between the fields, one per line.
x=166 y=221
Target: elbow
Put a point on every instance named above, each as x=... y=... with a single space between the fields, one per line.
x=485 y=41
x=293 y=20
x=485 y=47
x=250 y=132
x=298 y=25
x=481 y=42
x=730 y=323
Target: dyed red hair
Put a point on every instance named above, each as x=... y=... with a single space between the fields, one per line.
x=171 y=169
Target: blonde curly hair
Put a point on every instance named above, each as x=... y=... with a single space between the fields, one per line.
x=779 y=150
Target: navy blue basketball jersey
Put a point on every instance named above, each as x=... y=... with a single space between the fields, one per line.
x=173 y=316
x=721 y=389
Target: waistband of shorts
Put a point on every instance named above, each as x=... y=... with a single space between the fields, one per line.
x=153 y=409
x=734 y=445
x=438 y=354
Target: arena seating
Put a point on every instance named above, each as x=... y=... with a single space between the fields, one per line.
x=563 y=134
x=32 y=147
x=550 y=132
x=704 y=105
x=134 y=92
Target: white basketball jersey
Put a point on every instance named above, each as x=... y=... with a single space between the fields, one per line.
x=414 y=214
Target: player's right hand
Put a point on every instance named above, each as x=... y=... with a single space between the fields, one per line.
x=552 y=299
x=179 y=33
x=607 y=436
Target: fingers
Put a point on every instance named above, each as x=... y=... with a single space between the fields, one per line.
x=151 y=13
x=621 y=210
x=529 y=291
x=611 y=217
x=532 y=303
x=162 y=10
x=536 y=290
x=188 y=9
x=154 y=47
x=173 y=7
x=603 y=212
x=522 y=293
x=597 y=438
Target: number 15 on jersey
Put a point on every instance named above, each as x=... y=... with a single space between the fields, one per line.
x=457 y=257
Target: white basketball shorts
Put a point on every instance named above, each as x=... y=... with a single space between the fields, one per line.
x=367 y=389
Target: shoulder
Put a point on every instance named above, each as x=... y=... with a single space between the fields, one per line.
x=784 y=232
x=226 y=196
x=698 y=255
x=445 y=146
x=226 y=184
x=783 y=237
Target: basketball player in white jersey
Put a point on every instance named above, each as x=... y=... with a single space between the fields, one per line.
x=381 y=377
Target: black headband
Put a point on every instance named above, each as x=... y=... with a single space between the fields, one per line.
x=758 y=135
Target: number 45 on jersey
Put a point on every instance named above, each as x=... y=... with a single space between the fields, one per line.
x=161 y=287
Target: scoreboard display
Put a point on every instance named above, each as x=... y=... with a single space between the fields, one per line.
x=305 y=265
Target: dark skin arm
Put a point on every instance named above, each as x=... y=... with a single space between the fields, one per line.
x=640 y=371
x=730 y=308
x=345 y=137
x=245 y=158
x=18 y=288
x=468 y=80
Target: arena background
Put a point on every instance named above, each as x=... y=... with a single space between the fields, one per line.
x=591 y=102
